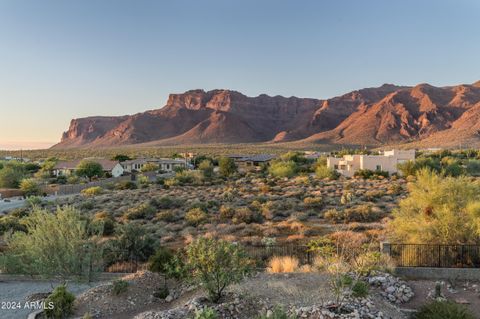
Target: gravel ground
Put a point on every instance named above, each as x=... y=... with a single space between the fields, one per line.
x=18 y=291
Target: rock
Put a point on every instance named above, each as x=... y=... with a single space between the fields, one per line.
x=169 y=298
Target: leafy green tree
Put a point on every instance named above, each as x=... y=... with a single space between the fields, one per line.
x=30 y=187
x=121 y=158
x=216 y=264
x=89 y=169
x=227 y=166
x=54 y=245
x=442 y=210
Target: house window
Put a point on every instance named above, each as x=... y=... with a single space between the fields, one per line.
x=379 y=167
x=335 y=166
x=168 y=166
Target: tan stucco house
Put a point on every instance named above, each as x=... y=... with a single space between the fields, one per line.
x=164 y=164
x=388 y=161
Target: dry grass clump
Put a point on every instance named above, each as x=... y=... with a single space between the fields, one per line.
x=283 y=264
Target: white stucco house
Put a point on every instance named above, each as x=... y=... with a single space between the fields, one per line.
x=387 y=161
x=67 y=168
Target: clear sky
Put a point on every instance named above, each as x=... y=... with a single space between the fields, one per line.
x=67 y=59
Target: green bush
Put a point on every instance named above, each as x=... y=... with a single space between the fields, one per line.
x=10 y=223
x=92 y=191
x=195 y=216
x=166 y=216
x=61 y=302
x=30 y=187
x=124 y=185
x=206 y=313
x=144 y=211
x=360 y=289
x=283 y=169
x=119 y=287
x=367 y=173
x=216 y=264
x=443 y=310
x=160 y=260
x=322 y=171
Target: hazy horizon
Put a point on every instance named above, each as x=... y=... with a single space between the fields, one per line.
x=64 y=60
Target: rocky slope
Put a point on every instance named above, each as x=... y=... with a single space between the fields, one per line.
x=374 y=116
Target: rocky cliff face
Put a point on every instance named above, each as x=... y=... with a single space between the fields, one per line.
x=372 y=116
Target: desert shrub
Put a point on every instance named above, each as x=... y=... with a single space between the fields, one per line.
x=443 y=310
x=131 y=243
x=124 y=185
x=359 y=213
x=149 y=167
x=143 y=181
x=119 y=287
x=166 y=202
x=322 y=171
x=227 y=166
x=245 y=215
x=395 y=189
x=473 y=167
x=144 y=211
x=103 y=223
x=30 y=187
x=92 y=191
x=11 y=175
x=313 y=202
x=367 y=173
x=226 y=213
x=374 y=194
x=359 y=289
x=195 y=216
x=216 y=264
x=282 y=264
x=166 y=216
x=55 y=245
x=206 y=313
x=277 y=313
x=206 y=167
x=159 y=261
x=10 y=223
x=61 y=302
x=86 y=205
x=438 y=209
x=184 y=177
x=283 y=169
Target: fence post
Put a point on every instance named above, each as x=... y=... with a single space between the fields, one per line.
x=386 y=248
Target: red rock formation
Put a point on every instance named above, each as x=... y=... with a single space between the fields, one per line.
x=372 y=116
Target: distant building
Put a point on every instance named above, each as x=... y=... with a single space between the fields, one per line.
x=67 y=168
x=388 y=161
x=251 y=162
x=164 y=164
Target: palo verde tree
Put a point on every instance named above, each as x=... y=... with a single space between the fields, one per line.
x=54 y=245
x=439 y=209
x=216 y=264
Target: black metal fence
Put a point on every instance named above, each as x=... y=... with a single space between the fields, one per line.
x=433 y=255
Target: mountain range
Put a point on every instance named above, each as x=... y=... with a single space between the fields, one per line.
x=389 y=114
